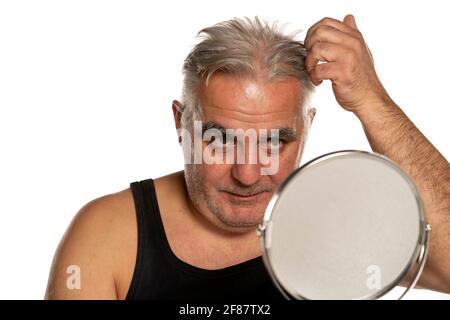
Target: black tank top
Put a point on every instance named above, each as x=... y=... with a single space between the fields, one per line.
x=159 y=274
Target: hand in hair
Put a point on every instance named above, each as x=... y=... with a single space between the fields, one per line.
x=337 y=52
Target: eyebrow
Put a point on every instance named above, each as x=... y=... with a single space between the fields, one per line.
x=288 y=134
x=213 y=125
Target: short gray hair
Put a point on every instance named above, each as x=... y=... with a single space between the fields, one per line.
x=243 y=47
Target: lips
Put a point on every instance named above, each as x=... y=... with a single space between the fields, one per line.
x=245 y=197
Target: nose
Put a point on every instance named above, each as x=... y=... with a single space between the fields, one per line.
x=246 y=174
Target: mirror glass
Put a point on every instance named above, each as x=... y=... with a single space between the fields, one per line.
x=346 y=225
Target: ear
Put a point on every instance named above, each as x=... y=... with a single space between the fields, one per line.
x=177 y=110
x=311 y=115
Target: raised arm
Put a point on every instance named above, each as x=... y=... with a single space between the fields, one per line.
x=390 y=132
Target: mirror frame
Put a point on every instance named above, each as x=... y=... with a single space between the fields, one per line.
x=418 y=258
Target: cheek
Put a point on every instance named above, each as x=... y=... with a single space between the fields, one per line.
x=282 y=174
x=214 y=174
x=288 y=162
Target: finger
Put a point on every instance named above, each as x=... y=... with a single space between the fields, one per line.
x=350 y=21
x=324 y=71
x=329 y=34
x=331 y=23
x=325 y=52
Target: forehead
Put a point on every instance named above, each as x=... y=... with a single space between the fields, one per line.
x=248 y=102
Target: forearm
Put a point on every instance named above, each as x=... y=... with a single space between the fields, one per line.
x=391 y=133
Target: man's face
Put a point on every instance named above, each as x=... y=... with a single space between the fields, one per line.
x=234 y=196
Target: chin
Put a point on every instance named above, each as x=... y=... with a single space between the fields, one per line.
x=236 y=214
x=247 y=214
x=242 y=216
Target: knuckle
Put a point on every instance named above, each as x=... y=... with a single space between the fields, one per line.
x=355 y=43
x=315 y=49
x=309 y=65
x=317 y=71
x=326 y=20
x=321 y=30
x=359 y=34
x=313 y=74
x=320 y=46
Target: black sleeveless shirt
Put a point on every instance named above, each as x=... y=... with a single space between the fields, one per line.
x=159 y=274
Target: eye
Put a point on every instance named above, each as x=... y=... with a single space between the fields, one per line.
x=225 y=140
x=228 y=139
x=275 y=142
x=272 y=144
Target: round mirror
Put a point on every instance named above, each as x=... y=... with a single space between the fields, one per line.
x=346 y=225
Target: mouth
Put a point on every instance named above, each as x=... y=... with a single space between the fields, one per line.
x=241 y=197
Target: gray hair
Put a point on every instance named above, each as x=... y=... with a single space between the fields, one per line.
x=243 y=47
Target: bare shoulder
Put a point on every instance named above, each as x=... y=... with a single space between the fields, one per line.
x=95 y=258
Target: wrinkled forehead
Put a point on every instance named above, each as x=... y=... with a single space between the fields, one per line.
x=247 y=102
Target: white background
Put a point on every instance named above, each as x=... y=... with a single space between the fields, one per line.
x=86 y=90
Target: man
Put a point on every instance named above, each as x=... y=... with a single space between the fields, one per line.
x=191 y=234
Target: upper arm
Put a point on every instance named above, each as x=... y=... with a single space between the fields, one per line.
x=87 y=253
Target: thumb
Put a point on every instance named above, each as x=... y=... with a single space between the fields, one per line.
x=349 y=20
